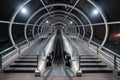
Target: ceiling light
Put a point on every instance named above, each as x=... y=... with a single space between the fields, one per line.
x=95 y=12
x=47 y=21
x=24 y=10
x=71 y=22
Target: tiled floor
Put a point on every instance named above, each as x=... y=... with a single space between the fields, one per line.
x=30 y=76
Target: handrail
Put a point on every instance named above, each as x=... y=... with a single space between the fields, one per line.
x=44 y=45
x=111 y=56
x=75 y=57
x=111 y=52
x=18 y=44
x=41 y=62
x=11 y=51
x=6 y=49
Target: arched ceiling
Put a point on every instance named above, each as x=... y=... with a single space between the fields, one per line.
x=79 y=15
x=110 y=8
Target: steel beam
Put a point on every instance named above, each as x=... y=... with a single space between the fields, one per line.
x=72 y=9
x=12 y=20
x=58 y=4
x=105 y=21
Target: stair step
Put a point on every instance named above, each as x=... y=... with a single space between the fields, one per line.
x=26 y=61
x=88 y=58
x=96 y=70
x=27 y=58
x=19 y=70
x=30 y=55
x=92 y=65
x=89 y=55
x=23 y=65
x=90 y=61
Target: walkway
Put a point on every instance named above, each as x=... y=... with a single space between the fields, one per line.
x=85 y=76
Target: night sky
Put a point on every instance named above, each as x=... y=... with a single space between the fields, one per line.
x=111 y=9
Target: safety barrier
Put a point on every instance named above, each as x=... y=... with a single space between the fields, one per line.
x=110 y=56
x=10 y=52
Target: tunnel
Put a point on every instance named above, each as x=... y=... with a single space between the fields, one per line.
x=59 y=39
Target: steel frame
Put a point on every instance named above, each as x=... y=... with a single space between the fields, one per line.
x=54 y=12
x=12 y=20
x=63 y=12
x=62 y=19
x=105 y=21
x=58 y=4
x=43 y=22
x=71 y=9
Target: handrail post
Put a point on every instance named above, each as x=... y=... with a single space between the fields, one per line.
x=88 y=44
x=37 y=62
x=79 y=72
x=97 y=50
x=79 y=61
x=29 y=44
x=37 y=71
x=19 y=50
x=0 y=61
x=115 y=62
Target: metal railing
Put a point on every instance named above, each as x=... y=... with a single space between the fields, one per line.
x=109 y=55
x=11 y=51
x=112 y=57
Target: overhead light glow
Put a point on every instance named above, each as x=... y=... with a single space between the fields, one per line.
x=95 y=12
x=117 y=35
x=71 y=22
x=47 y=21
x=24 y=10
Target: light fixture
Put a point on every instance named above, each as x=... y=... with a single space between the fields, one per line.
x=24 y=10
x=71 y=22
x=47 y=21
x=95 y=12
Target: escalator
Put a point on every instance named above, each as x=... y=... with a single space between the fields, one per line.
x=58 y=49
x=58 y=69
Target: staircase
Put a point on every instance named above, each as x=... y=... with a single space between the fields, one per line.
x=24 y=64
x=91 y=64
